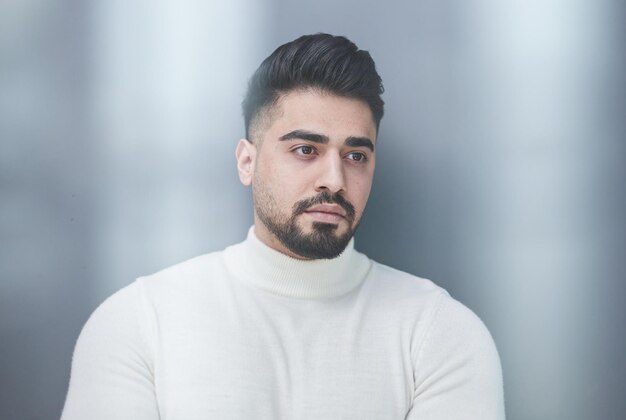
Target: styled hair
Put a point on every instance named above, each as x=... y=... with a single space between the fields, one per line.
x=333 y=64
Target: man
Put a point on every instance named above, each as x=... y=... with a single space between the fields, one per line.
x=292 y=323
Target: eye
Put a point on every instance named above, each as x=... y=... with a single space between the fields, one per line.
x=304 y=150
x=357 y=156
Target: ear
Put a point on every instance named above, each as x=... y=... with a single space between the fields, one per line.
x=246 y=157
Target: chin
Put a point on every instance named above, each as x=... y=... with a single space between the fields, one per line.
x=324 y=227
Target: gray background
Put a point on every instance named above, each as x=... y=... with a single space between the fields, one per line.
x=500 y=170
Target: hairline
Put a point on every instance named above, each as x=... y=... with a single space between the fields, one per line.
x=267 y=114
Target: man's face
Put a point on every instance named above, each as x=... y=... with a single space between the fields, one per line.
x=311 y=172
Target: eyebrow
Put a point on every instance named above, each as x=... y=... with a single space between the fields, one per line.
x=320 y=138
x=305 y=135
x=360 y=142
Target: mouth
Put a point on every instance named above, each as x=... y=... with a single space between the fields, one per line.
x=326 y=213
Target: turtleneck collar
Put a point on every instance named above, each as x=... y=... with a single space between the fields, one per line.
x=265 y=268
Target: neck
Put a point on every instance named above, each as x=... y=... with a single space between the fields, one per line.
x=264 y=267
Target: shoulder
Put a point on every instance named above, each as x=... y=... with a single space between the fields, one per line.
x=455 y=326
x=448 y=315
x=457 y=348
x=457 y=363
x=454 y=358
x=113 y=361
x=438 y=318
x=403 y=291
x=127 y=316
x=188 y=277
x=115 y=331
x=402 y=281
x=128 y=311
x=117 y=314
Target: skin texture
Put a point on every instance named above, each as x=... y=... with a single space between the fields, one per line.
x=314 y=148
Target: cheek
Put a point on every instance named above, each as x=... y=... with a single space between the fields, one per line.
x=361 y=187
x=273 y=184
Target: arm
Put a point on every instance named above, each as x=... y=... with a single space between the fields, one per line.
x=457 y=369
x=112 y=370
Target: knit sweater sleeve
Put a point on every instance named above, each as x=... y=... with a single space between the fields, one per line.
x=112 y=369
x=457 y=368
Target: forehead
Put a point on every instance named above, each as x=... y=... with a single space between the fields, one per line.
x=318 y=111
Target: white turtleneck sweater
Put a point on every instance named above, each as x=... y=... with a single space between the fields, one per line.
x=250 y=333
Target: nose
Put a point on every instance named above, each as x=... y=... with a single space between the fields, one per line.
x=331 y=176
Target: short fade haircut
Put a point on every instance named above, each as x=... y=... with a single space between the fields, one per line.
x=332 y=64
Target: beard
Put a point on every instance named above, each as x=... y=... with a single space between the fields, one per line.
x=322 y=242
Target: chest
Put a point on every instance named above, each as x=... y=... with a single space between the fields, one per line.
x=244 y=360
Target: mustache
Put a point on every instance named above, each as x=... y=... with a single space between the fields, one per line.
x=325 y=198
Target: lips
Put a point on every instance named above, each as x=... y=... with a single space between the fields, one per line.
x=331 y=209
x=326 y=213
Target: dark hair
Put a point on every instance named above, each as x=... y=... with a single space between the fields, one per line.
x=330 y=63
